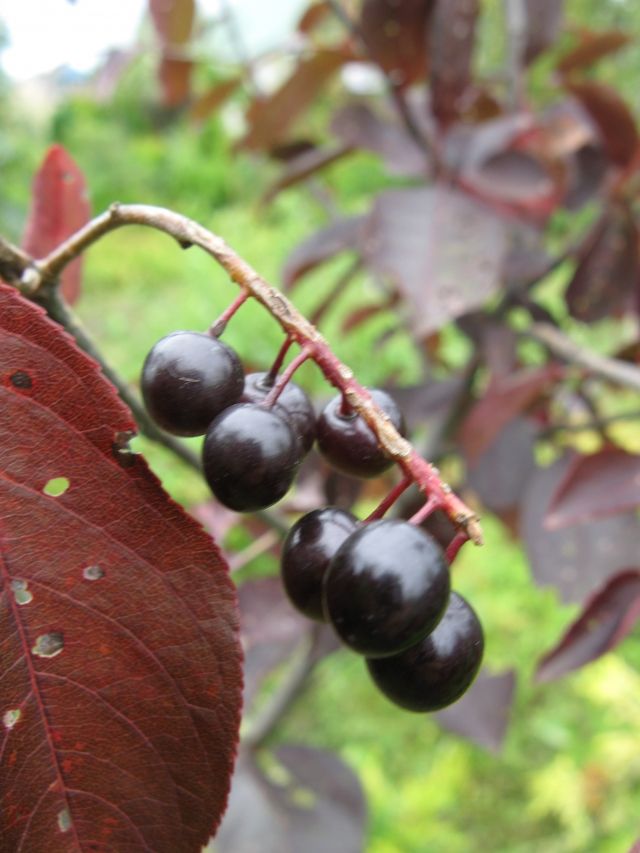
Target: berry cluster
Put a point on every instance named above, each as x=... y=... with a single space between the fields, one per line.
x=383 y=585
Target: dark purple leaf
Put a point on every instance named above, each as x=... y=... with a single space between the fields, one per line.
x=207 y=103
x=500 y=475
x=544 y=19
x=302 y=167
x=395 y=36
x=606 y=619
x=606 y=276
x=340 y=235
x=592 y=47
x=613 y=118
x=359 y=126
x=419 y=403
x=271 y=117
x=320 y=807
x=577 y=559
x=313 y=16
x=361 y=315
x=482 y=714
x=586 y=172
x=605 y=483
x=452 y=33
x=502 y=402
x=440 y=248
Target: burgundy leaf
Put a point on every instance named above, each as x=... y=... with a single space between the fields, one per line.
x=211 y=100
x=613 y=118
x=340 y=235
x=321 y=807
x=306 y=164
x=430 y=399
x=544 y=19
x=313 y=16
x=59 y=207
x=442 y=250
x=605 y=483
x=501 y=403
x=121 y=671
x=174 y=76
x=606 y=619
x=482 y=714
x=592 y=47
x=359 y=126
x=271 y=117
x=173 y=20
x=453 y=30
x=395 y=36
x=364 y=313
x=606 y=276
x=577 y=559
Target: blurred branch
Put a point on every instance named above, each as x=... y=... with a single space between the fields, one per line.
x=516 y=21
x=596 y=425
x=611 y=369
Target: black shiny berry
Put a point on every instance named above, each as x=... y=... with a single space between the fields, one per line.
x=348 y=443
x=293 y=401
x=250 y=457
x=310 y=544
x=387 y=586
x=440 y=668
x=187 y=379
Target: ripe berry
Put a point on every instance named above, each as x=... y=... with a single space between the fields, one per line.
x=250 y=457
x=348 y=443
x=440 y=668
x=387 y=586
x=310 y=544
x=293 y=401
x=187 y=379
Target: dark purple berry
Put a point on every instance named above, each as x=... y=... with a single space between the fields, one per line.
x=348 y=443
x=187 y=379
x=250 y=457
x=440 y=668
x=293 y=402
x=310 y=544
x=387 y=586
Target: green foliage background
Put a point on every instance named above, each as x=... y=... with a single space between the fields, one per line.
x=568 y=778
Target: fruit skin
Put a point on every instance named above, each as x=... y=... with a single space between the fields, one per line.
x=293 y=401
x=440 y=668
x=348 y=443
x=306 y=552
x=387 y=586
x=187 y=379
x=250 y=456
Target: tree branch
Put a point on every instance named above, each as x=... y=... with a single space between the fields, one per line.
x=188 y=233
x=611 y=369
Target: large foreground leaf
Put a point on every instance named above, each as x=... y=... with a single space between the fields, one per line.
x=120 y=680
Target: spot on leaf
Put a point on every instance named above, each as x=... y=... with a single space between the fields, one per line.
x=21 y=592
x=64 y=820
x=48 y=645
x=11 y=717
x=20 y=379
x=92 y=573
x=56 y=486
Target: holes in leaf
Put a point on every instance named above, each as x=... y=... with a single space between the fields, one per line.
x=64 y=820
x=56 y=486
x=48 y=645
x=21 y=380
x=21 y=592
x=92 y=573
x=11 y=717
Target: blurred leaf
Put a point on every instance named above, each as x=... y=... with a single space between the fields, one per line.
x=270 y=118
x=313 y=16
x=59 y=207
x=318 y=806
x=414 y=238
x=606 y=619
x=421 y=402
x=605 y=483
x=395 y=36
x=173 y=20
x=613 y=118
x=359 y=126
x=577 y=559
x=207 y=103
x=607 y=271
x=482 y=714
x=592 y=47
x=365 y=312
x=451 y=45
x=340 y=235
x=174 y=76
x=502 y=402
x=304 y=165
x=544 y=19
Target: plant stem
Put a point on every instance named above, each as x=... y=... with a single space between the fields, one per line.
x=387 y=502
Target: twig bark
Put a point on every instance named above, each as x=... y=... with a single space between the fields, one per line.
x=187 y=233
